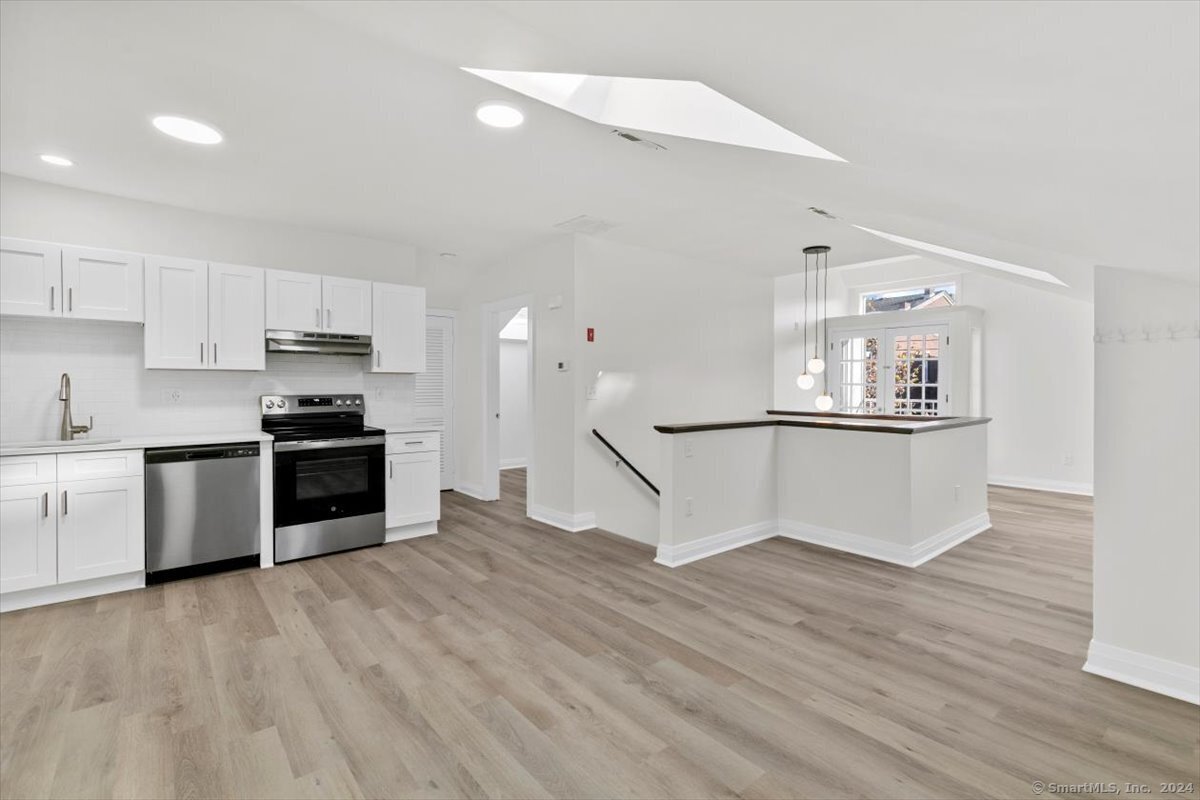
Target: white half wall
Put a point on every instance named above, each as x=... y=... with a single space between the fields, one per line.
x=1146 y=581
x=514 y=403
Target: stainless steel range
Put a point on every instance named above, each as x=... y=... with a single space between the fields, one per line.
x=329 y=478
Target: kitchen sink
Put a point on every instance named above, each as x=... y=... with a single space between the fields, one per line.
x=58 y=443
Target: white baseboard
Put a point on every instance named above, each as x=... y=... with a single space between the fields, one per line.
x=513 y=463
x=680 y=554
x=61 y=593
x=402 y=532
x=1145 y=672
x=1041 y=484
x=470 y=490
x=585 y=520
x=894 y=553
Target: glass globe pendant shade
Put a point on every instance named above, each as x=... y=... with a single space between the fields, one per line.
x=824 y=402
x=816 y=365
x=806 y=381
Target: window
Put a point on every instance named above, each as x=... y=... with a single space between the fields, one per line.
x=900 y=370
x=938 y=296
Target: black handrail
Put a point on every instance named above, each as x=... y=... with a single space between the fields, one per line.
x=625 y=461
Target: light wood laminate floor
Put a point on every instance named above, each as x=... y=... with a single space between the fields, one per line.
x=504 y=658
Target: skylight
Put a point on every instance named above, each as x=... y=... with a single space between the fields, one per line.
x=983 y=261
x=688 y=109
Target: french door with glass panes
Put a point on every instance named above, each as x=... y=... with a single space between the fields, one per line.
x=903 y=371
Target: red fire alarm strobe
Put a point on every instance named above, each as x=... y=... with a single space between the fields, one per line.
x=591 y=334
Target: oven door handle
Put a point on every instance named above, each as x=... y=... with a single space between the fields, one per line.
x=329 y=444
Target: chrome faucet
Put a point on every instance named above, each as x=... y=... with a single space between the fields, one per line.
x=68 y=430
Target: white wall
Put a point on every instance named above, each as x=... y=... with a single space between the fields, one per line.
x=1147 y=512
x=104 y=359
x=1037 y=366
x=678 y=340
x=514 y=403
x=35 y=210
x=545 y=271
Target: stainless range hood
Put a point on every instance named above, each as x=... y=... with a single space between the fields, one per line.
x=337 y=344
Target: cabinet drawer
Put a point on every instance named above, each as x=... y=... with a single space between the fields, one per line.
x=27 y=470
x=412 y=442
x=99 y=464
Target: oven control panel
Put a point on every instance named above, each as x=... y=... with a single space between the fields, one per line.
x=275 y=404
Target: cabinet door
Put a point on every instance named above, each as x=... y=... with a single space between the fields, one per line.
x=398 y=328
x=30 y=278
x=102 y=284
x=412 y=493
x=235 y=317
x=101 y=528
x=293 y=301
x=28 y=557
x=176 y=335
x=347 y=304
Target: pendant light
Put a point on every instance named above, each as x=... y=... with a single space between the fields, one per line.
x=804 y=380
x=816 y=364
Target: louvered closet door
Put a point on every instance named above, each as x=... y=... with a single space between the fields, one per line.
x=435 y=388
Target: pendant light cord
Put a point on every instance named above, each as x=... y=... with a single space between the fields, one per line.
x=826 y=304
x=804 y=366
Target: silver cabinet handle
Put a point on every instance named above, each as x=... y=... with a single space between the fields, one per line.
x=418 y=441
x=390 y=465
x=64 y=502
x=378 y=358
x=318 y=312
x=51 y=298
x=45 y=504
x=214 y=353
x=202 y=352
x=70 y=298
x=328 y=318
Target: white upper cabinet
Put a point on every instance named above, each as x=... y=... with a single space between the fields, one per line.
x=235 y=317
x=398 y=335
x=101 y=284
x=30 y=278
x=176 y=335
x=347 y=304
x=293 y=301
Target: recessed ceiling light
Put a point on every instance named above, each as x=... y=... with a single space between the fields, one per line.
x=688 y=109
x=499 y=115
x=189 y=130
x=983 y=261
x=58 y=161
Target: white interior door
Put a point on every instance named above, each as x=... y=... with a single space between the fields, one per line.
x=434 y=397
x=102 y=284
x=235 y=317
x=917 y=371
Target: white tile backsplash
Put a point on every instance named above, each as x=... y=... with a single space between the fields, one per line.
x=108 y=382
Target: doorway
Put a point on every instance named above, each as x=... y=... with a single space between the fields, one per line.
x=508 y=402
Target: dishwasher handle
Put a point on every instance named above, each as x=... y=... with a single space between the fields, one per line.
x=168 y=455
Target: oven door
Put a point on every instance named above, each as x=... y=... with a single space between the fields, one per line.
x=328 y=480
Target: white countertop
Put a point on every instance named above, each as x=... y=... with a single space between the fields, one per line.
x=411 y=427
x=133 y=442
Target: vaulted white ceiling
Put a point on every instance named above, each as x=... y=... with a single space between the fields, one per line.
x=1052 y=135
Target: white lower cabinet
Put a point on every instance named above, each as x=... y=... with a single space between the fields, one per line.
x=101 y=528
x=413 y=479
x=88 y=523
x=28 y=542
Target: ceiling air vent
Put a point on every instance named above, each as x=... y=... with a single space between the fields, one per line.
x=591 y=226
x=629 y=137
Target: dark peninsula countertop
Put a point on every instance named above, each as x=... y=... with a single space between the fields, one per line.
x=872 y=423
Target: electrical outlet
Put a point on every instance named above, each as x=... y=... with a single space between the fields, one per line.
x=591 y=391
x=1068 y=460
x=687 y=506
x=378 y=392
x=688 y=448
x=172 y=396
x=957 y=493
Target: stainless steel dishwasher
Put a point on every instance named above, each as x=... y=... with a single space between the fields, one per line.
x=202 y=510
